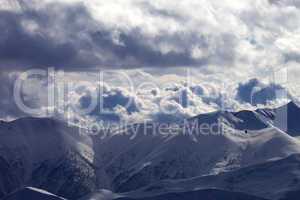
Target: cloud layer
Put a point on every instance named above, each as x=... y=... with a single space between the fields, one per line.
x=232 y=47
x=75 y=34
x=255 y=92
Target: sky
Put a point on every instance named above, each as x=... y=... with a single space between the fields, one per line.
x=160 y=60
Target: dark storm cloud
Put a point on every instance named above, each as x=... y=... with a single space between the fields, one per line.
x=21 y=47
x=255 y=92
x=134 y=52
x=137 y=34
x=111 y=99
x=66 y=36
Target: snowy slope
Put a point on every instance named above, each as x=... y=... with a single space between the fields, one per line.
x=270 y=180
x=30 y=193
x=242 y=120
x=101 y=195
x=45 y=153
x=137 y=162
x=285 y=117
x=207 y=194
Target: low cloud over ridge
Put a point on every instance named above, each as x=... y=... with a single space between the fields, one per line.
x=256 y=92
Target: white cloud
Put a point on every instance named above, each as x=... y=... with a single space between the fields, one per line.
x=222 y=43
x=236 y=35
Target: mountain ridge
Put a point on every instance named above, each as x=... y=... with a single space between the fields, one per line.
x=35 y=150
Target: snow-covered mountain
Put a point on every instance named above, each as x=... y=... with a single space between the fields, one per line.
x=137 y=162
x=185 y=156
x=242 y=120
x=31 y=193
x=48 y=154
x=285 y=117
x=207 y=194
x=271 y=180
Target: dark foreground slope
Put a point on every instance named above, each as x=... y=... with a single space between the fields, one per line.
x=29 y=193
x=278 y=179
x=208 y=194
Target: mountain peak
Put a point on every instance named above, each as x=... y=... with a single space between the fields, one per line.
x=292 y=104
x=289 y=107
x=241 y=120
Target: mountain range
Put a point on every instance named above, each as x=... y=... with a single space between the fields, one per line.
x=247 y=155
